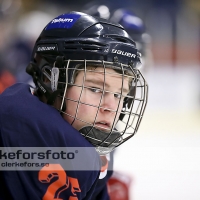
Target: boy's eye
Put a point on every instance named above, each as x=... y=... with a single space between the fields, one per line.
x=96 y=90
x=117 y=95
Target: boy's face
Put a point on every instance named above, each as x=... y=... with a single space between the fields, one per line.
x=92 y=96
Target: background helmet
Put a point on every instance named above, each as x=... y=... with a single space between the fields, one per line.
x=97 y=9
x=134 y=26
x=132 y=23
x=71 y=42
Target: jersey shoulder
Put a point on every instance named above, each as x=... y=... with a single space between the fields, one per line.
x=27 y=122
x=39 y=124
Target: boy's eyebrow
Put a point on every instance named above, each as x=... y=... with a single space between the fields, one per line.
x=100 y=83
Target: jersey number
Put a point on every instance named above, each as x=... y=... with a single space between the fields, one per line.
x=62 y=182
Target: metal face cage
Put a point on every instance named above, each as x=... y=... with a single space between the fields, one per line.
x=105 y=101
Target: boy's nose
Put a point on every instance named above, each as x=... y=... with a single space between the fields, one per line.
x=109 y=103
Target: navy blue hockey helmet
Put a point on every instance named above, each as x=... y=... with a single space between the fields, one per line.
x=73 y=41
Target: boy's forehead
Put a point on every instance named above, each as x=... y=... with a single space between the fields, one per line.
x=108 y=76
x=103 y=75
x=99 y=68
x=103 y=72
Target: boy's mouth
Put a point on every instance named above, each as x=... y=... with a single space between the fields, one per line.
x=97 y=136
x=105 y=126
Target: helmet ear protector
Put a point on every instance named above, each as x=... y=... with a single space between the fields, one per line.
x=44 y=88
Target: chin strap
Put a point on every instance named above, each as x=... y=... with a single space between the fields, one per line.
x=104 y=142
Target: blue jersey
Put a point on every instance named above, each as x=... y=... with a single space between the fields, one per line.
x=25 y=121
